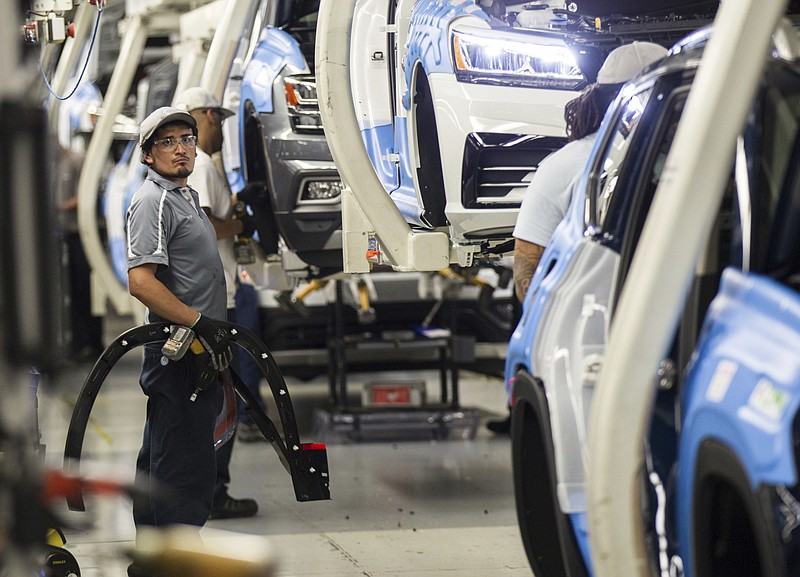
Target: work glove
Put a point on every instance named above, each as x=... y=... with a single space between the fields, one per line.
x=248 y=225
x=215 y=340
x=253 y=192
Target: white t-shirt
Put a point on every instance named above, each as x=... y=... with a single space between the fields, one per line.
x=216 y=196
x=549 y=194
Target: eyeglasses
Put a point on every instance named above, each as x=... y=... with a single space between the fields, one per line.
x=170 y=144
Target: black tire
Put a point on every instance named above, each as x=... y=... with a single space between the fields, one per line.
x=734 y=530
x=547 y=534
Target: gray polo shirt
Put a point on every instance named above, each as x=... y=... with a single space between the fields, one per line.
x=166 y=226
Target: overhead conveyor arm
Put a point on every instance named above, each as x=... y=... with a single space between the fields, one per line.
x=307 y=463
x=86 y=17
x=133 y=44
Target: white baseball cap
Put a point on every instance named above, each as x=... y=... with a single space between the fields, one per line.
x=626 y=62
x=198 y=97
x=162 y=116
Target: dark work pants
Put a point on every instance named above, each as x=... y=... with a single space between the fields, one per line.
x=177 y=455
x=248 y=317
x=225 y=452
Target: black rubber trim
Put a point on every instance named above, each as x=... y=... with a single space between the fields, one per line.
x=550 y=542
x=306 y=463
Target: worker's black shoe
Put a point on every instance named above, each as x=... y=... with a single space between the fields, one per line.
x=502 y=427
x=230 y=508
x=249 y=433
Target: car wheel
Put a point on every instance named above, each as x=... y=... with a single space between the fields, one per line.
x=734 y=528
x=547 y=534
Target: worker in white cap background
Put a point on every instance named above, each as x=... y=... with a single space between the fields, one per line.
x=217 y=202
x=548 y=196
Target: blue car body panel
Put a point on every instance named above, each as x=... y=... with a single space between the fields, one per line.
x=429 y=37
x=379 y=144
x=275 y=50
x=554 y=263
x=722 y=463
x=381 y=141
x=580 y=526
x=118 y=194
x=552 y=266
x=282 y=143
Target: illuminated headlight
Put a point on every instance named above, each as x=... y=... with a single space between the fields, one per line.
x=321 y=190
x=494 y=59
x=303 y=106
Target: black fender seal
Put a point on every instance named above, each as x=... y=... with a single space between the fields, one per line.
x=307 y=463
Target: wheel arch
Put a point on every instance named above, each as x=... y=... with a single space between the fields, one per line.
x=429 y=172
x=733 y=529
x=547 y=533
x=255 y=165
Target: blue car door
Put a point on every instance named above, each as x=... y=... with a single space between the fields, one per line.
x=560 y=341
x=738 y=493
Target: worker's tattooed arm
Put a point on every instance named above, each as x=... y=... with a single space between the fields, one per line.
x=526 y=259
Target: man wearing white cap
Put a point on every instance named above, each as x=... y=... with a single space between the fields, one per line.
x=216 y=201
x=174 y=269
x=548 y=195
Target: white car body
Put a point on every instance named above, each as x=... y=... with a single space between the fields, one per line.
x=393 y=128
x=457 y=102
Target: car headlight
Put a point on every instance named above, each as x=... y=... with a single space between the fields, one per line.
x=321 y=190
x=303 y=106
x=487 y=58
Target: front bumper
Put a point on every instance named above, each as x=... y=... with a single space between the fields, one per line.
x=312 y=228
x=466 y=110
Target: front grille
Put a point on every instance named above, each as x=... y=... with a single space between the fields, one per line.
x=497 y=168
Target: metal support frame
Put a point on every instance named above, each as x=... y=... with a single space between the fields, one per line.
x=446 y=362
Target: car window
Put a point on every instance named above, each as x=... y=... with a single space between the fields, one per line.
x=654 y=165
x=773 y=138
x=611 y=165
x=629 y=209
x=645 y=163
